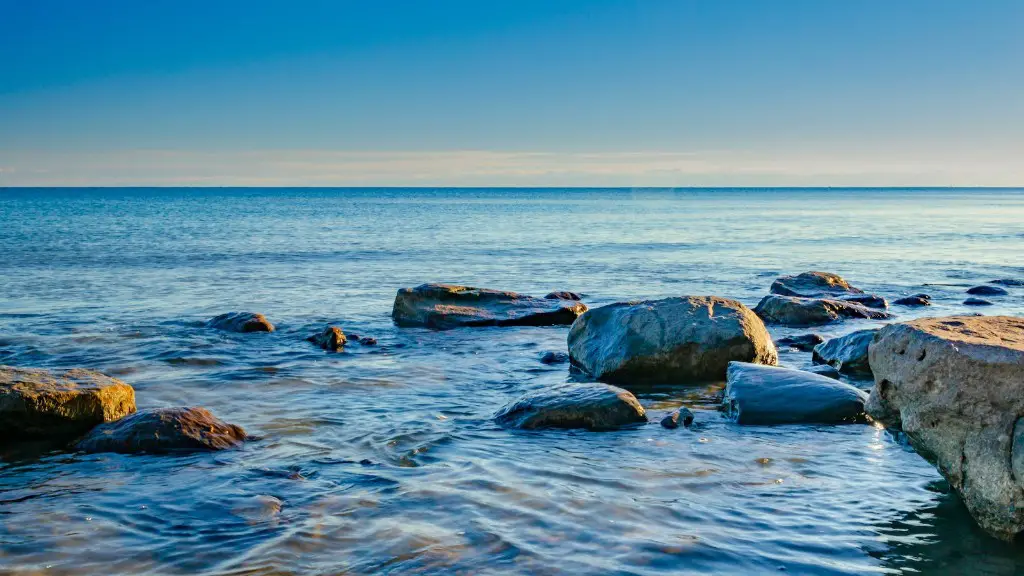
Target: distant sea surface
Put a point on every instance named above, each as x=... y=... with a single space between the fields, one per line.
x=386 y=459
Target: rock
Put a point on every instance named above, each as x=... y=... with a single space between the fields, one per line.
x=813 y=285
x=161 y=431
x=445 y=306
x=976 y=302
x=757 y=394
x=848 y=354
x=672 y=420
x=955 y=386
x=332 y=338
x=1007 y=282
x=803 y=342
x=241 y=322
x=563 y=295
x=915 y=300
x=58 y=404
x=667 y=341
x=793 y=311
x=824 y=370
x=592 y=406
x=367 y=341
x=869 y=300
x=987 y=291
x=554 y=358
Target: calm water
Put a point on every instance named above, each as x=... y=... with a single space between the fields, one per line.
x=386 y=460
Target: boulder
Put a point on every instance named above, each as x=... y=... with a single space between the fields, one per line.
x=665 y=341
x=869 y=300
x=955 y=386
x=824 y=370
x=163 y=431
x=241 y=322
x=756 y=394
x=332 y=338
x=976 y=302
x=58 y=404
x=987 y=291
x=563 y=295
x=554 y=358
x=793 y=311
x=914 y=300
x=672 y=421
x=445 y=306
x=813 y=285
x=803 y=342
x=592 y=406
x=848 y=354
x=1007 y=282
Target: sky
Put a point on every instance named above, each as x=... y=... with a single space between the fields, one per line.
x=512 y=93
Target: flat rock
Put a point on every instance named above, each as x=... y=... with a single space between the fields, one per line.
x=803 y=342
x=241 y=322
x=813 y=285
x=672 y=340
x=332 y=338
x=793 y=311
x=987 y=291
x=563 y=295
x=444 y=306
x=955 y=386
x=592 y=406
x=914 y=300
x=977 y=302
x=682 y=416
x=163 y=431
x=756 y=394
x=848 y=354
x=1007 y=282
x=56 y=404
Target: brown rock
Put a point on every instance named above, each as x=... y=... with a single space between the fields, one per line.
x=163 y=430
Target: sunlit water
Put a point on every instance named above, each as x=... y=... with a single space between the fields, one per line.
x=386 y=459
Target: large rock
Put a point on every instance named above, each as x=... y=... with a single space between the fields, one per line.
x=756 y=394
x=37 y=403
x=848 y=354
x=163 y=431
x=956 y=388
x=241 y=322
x=794 y=311
x=671 y=340
x=813 y=285
x=449 y=306
x=592 y=406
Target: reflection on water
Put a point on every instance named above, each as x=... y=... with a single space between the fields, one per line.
x=385 y=459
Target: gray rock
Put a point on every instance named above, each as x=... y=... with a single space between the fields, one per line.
x=793 y=311
x=668 y=341
x=824 y=370
x=848 y=354
x=813 y=285
x=869 y=300
x=554 y=358
x=592 y=406
x=58 y=404
x=955 y=386
x=803 y=342
x=672 y=421
x=976 y=302
x=162 y=431
x=241 y=322
x=332 y=338
x=563 y=295
x=756 y=394
x=987 y=291
x=914 y=300
x=1008 y=282
x=445 y=306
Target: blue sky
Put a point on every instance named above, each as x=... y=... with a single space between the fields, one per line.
x=452 y=92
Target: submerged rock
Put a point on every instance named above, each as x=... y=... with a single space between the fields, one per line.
x=671 y=340
x=563 y=295
x=1007 y=282
x=592 y=406
x=848 y=354
x=332 y=338
x=672 y=421
x=976 y=302
x=554 y=358
x=58 y=404
x=803 y=342
x=793 y=311
x=449 y=306
x=161 y=431
x=241 y=322
x=869 y=300
x=956 y=388
x=757 y=394
x=987 y=291
x=824 y=370
x=813 y=285
x=914 y=300
x=368 y=341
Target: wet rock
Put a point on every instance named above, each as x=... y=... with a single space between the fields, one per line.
x=162 y=431
x=58 y=404
x=682 y=416
x=813 y=285
x=803 y=342
x=848 y=354
x=824 y=370
x=914 y=300
x=241 y=322
x=757 y=394
x=332 y=338
x=554 y=358
x=592 y=406
x=976 y=302
x=1008 y=282
x=869 y=300
x=955 y=386
x=793 y=311
x=671 y=340
x=563 y=295
x=445 y=306
x=987 y=291
x=367 y=341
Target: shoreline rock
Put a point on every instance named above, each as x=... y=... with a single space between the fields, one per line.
x=795 y=311
x=445 y=306
x=847 y=354
x=163 y=431
x=592 y=406
x=240 y=322
x=768 y=395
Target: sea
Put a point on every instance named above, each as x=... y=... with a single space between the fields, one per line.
x=386 y=459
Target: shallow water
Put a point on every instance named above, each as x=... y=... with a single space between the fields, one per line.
x=385 y=459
